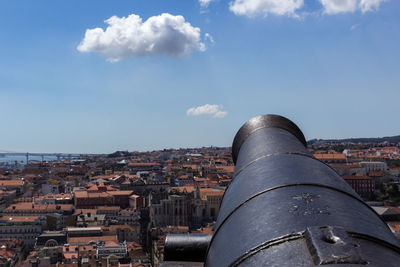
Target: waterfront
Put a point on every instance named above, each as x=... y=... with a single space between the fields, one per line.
x=22 y=159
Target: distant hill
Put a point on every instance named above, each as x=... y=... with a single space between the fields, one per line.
x=376 y=140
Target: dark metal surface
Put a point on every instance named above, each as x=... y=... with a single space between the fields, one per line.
x=287 y=210
x=295 y=253
x=287 y=206
x=186 y=247
x=274 y=172
x=332 y=245
x=270 y=121
x=181 y=264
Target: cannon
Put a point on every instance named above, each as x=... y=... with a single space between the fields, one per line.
x=286 y=208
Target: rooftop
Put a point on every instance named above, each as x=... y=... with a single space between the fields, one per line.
x=11 y=182
x=26 y=206
x=19 y=218
x=330 y=156
x=87 y=239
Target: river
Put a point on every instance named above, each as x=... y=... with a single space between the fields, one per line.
x=22 y=159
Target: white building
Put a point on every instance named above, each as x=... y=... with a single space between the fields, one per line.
x=372 y=166
x=111 y=248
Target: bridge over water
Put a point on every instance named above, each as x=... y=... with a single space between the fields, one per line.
x=59 y=156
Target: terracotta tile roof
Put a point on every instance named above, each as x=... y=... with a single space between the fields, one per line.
x=7 y=253
x=11 y=183
x=211 y=192
x=111 y=243
x=356 y=177
x=187 y=188
x=140 y=164
x=26 y=206
x=377 y=174
x=87 y=239
x=121 y=193
x=330 y=156
x=190 y=166
x=86 y=211
x=86 y=248
x=108 y=194
x=108 y=208
x=55 y=196
x=114 y=227
x=133 y=245
x=19 y=218
x=207 y=230
x=229 y=169
x=81 y=194
x=212 y=183
x=99 y=195
x=70 y=255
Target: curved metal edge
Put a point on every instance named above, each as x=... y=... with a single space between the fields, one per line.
x=272 y=155
x=300 y=235
x=264 y=121
x=376 y=240
x=265 y=245
x=186 y=247
x=285 y=186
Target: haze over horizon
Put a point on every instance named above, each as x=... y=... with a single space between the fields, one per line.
x=100 y=76
x=167 y=148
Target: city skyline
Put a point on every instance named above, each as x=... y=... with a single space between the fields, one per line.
x=96 y=77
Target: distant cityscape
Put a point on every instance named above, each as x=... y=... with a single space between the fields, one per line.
x=116 y=209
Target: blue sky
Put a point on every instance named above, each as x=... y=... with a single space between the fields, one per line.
x=332 y=69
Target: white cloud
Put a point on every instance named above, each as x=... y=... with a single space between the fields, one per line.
x=339 y=6
x=208 y=37
x=370 y=5
x=204 y=3
x=213 y=110
x=252 y=8
x=342 y=6
x=130 y=36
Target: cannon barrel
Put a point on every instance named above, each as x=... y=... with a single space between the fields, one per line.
x=186 y=247
x=286 y=208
